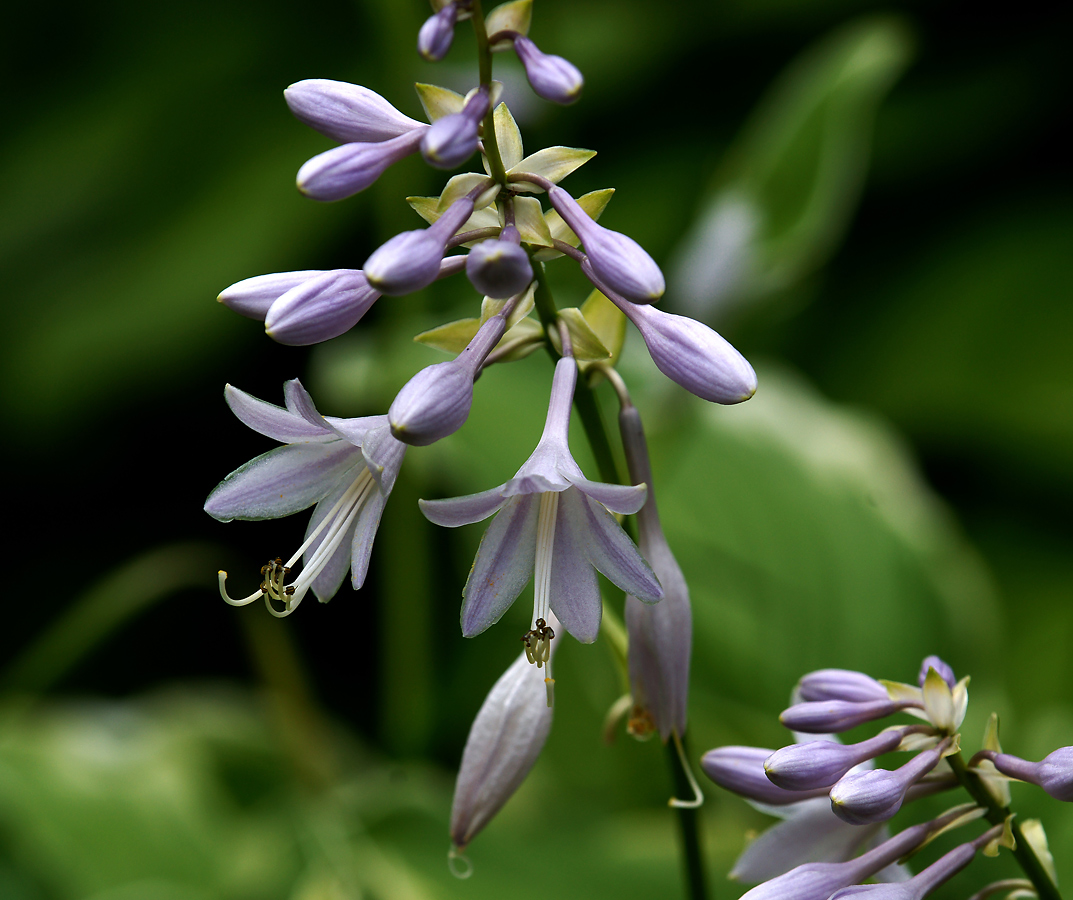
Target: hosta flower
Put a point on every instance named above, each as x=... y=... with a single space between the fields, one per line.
x=551 y=77
x=554 y=523
x=346 y=467
x=1054 y=773
x=436 y=35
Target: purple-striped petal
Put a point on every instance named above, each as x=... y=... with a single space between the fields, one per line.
x=320 y=308
x=364 y=534
x=271 y=420
x=383 y=455
x=253 y=297
x=575 y=592
x=351 y=168
x=503 y=566
x=331 y=576
x=456 y=511
x=346 y=112
x=620 y=498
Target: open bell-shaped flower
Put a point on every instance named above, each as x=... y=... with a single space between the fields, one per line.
x=436 y=35
x=551 y=77
x=347 y=113
x=1054 y=773
x=555 y=524
x=451 y=140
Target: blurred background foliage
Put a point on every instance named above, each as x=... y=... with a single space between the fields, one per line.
x=872 y=201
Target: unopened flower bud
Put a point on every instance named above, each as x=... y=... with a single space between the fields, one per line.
x=616 y=260
x=818 y=764
x=252 y=297
x=499 y=269
x=346 y=112
x=343 y=171
x=944 y=669
x=832 y=716
x=551 y=77
x=320 y=308
x=741 y=770
x=452 y=140
x=840 y=684
x=411 y=260
x=1054 y=773
x=435 y=37
x=861 y=798
x=504 y=741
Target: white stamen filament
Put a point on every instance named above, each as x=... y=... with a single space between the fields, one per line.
x=545 y=544
x=698 y=797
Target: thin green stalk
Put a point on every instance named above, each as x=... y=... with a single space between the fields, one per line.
x=689 y=829
x=484 y=63
x=997 y=814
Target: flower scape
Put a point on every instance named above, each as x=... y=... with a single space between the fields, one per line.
x=551 y=524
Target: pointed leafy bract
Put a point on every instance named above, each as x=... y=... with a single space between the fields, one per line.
x=552 y=163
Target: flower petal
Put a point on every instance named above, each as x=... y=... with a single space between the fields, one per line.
x=455 y=511
x=271 y=420
x=608 y=547
x=330 y=577
x=282 y=481
x=503 y=565
x=364 y=534
x=575 y=592
x=383 y=455
x=300 y=403
x=355 y=430
x=620 y=498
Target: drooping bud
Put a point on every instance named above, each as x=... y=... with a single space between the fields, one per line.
x=832 y=716
x=347 y=113
x=320 y=308
x=741 y=770
x=435 y=37
x=944 y=669
x=411 y=260
x=861 y=798
x=343 y=171
x=252 y=297
x=618 y=261
x=840 y=684
x=660 y=634
x=451 y=140
x=551 y=77
x=436 y=401
x=499 y=269
x=819 y=764
x=1054 y=773
x=504 y=741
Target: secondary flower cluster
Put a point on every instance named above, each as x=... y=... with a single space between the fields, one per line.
x=551 y=523
x=835 y=802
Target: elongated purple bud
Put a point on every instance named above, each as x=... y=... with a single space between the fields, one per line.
x=499 y=269
x=741 y=770
x=1054 y=773
x=435 y=37
x=347 y=170
x=436 y=401
x=660 y=634
x=832 y=716
x=616 y=260
x=452 y=140
x=411 y=260
x=504 y=741
x=863 y=798
x=818 y=764
x=944 y=669
x=320 y=308
x=840 y=684
x=346 y=112
x=551 y=77
x=254 y=296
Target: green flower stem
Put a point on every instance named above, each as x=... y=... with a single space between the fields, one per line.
x=689 y=828
x=484 y=62
x=997 y=814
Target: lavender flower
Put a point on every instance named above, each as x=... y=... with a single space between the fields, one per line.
x=499 y=269
x=435 y=37
x=741 y=770
x=347 y=467
x=840 y=684
x=944 y=670
x=253 y=297
x=552 y=521
x=1054 y=773
x=347 y=113
x=503 y=744
x=351 y=168
x=832 y=716
x=451 y=140
x=551 y=77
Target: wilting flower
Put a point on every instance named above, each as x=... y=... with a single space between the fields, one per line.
x=436 y=35
x=451 y=140
x=504 y=741
x=347 y=467
x=551 y=77
x=554 y=521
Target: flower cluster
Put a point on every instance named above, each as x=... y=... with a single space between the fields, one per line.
x=552 y=524
x=836 y=802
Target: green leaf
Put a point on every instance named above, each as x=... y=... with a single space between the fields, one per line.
x=530 y=222
x=451 y=337
x=508 y=137
x=586 y=345
x=513 y=16
x=553 y=163
x=438 y=101
x=608 y=323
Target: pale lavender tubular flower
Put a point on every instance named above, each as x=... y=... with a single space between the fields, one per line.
x=347 y=113
x=551 y=77
x=688 y=352
x=436 y=401
x=660 y=634
x=499 y=268
x=819 y=764
x=435 y=37
x=452 y=140
x=1054 y=773
x=411 y=260
x=922 y=884
x=321 y=308
x=347 y=467
x=555 y=523
x=616 y=260
x=944 y=669
x=833 y=716
x=343 y=171
x=504 y=741
x=861 y=798
x=741 y=770
x=252 y=297
x=840 y=684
